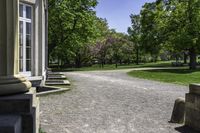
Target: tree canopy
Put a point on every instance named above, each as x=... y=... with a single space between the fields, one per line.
x=172 y=25
x=77 y=37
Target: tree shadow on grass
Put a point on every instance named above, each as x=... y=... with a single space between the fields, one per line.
x=185 y=129
x=176 y=71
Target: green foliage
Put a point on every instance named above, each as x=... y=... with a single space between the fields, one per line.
x=167 y=28
x=135 y=34
x=171 y=25
x=135 y=30
x=71 y=28
x=114 y=48
x=151 y=39
x=183 y=26
x=120 y=48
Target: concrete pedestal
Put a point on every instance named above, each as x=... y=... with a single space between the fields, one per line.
x=178 y=111
x=192 y=107
x=24 y=105
x=10 y=124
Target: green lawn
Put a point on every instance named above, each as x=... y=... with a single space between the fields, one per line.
x=177 y=76
x=112 y=67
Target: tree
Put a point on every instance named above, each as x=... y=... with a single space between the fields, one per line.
x=120 y=46
x=135 y=34
x=99 y=51
x=169 y=24
x=183 y=26
x=151 y=40
x=71 y=28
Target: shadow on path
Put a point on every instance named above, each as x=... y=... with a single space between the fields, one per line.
x=176 y=71
x=185 y=129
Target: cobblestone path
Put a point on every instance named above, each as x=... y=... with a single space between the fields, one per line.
x=111 y=102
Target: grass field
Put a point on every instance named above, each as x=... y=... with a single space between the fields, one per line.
x=112 y=67
x=182 y=76
x=176 y=76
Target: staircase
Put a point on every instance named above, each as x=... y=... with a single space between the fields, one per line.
x=56 y=78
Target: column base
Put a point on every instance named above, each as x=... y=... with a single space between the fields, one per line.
x=26 y=106
x=10 y=124
x=13 y=85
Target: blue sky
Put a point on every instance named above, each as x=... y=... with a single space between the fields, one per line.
x=117 y=12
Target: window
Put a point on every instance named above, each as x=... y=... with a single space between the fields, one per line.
x=25 y=37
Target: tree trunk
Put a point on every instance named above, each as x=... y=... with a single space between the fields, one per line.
x=137 y=56
x=116 y=65
x=176 y=56
x=128 y=61
x=58 y=63
x=193 y=61
x=185 y=58
x=78 y=61
x=102 y=64
x=155 y=58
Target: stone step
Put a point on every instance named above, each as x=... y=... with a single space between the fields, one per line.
x=194 y=89
x=43 y=90
x=56 y=77
x=57 y=82
x=49 y=69
x=54 y=73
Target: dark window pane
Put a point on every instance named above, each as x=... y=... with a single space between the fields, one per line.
x=28 y=65
x=20 y=65
x=21 y=10
x=28 y=12
x=28 y=53
x=21 y=27
x=28 y=40
x=20 y=52
x=28 y=28
x=20 y=39
x=21 y=33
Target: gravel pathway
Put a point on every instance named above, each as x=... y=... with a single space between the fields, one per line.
x=111 y=102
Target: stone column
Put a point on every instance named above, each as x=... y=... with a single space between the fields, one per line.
x=192 y=107
x=10 y=81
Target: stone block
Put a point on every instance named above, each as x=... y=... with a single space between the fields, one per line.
x=192 y=111
x=35 y=83
x=31 y=121
x=193 y=101
x=25 y=105
x=194 y=89
x=10 y=124
x=178 y=114
x=192 y=119
x=21 y=103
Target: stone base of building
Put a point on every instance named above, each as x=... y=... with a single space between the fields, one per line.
x=192 y=107
x=20 y=112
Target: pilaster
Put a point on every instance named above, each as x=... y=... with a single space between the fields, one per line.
x=10 y=81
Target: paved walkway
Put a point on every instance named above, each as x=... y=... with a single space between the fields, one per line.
x=111 y=102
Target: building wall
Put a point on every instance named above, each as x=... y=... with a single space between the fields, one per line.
x=38 y=46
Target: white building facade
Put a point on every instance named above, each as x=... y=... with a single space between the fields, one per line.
x=32 y=38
